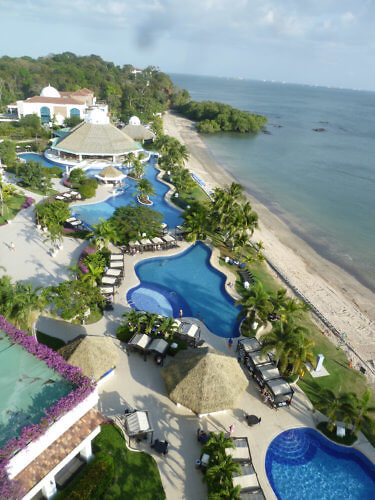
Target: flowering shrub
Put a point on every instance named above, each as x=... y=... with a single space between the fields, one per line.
x=83 y=387
x=29 y=201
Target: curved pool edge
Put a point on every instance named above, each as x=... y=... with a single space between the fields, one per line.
x=168 y=194
x=358 y=450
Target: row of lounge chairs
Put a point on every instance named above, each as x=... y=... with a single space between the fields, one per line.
x=157 y=243
x=265 y=372
x=113 y=275
x=68 y=196
x=246 y=277
x=74 y=223
x=248 y=479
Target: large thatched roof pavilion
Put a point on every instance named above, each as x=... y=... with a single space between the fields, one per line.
x=94 y=355
x=96 y=138
x=204 y=380
x=139 y=133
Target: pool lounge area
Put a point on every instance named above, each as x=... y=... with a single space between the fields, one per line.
x=189 y=282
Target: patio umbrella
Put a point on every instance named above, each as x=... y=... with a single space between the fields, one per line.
x=94 y=355
x=204 y=380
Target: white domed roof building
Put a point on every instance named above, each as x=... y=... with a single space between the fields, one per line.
x=49 y=92
x=134 y=120
x=52 y=105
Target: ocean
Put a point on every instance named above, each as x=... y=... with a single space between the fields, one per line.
x=321 y=183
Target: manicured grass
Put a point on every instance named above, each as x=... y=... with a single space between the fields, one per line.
x=12 y=207
x=49 y=341
x=136 y=473
x=50 y=192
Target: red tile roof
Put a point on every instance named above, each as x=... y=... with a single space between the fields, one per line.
x=59 y=449
x=53 y=100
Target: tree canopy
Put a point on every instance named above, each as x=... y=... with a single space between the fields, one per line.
x=132 y=221
x=214 y=116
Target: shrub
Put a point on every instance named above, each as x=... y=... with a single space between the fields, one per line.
x=55 y=171
x=124 y=333
x=88 y=188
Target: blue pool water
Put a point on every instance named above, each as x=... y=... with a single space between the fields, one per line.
x=301 y=463
x=186 y=281
x=40 y=159
x=92 y=213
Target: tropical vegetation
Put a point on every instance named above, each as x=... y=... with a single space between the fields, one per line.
x=221 y=468
x=145 y=189
x=215 y=117
x=148 y=323
x=132 y=222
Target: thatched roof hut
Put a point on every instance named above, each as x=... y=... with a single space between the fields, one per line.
x=204 y=380
x=138 y=133
x=94 y=355
x=110 y=173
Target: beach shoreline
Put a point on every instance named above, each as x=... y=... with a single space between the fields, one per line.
x=345 y=302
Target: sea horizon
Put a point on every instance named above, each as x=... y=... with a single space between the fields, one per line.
x=320 y=183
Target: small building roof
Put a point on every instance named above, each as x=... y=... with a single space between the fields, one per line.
x=137 y=423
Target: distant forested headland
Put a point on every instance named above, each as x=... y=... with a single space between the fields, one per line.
x=216 y=117
x=143 y=94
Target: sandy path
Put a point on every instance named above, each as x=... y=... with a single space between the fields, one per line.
x=347 y=304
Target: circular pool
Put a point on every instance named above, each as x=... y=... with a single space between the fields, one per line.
x=301 y=463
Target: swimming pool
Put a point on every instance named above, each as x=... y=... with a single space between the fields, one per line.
x=189 y=282
x=301 y=463
x=40 y=159
x=92 y=213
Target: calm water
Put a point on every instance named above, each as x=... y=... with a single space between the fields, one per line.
x=321 y=183
x=303 y=461
x=188 y=281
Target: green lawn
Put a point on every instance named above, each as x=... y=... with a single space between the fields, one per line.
x=12 y=207
x=136 y=474
x=33 y=189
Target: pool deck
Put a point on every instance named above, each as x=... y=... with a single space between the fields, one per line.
x=138 y=383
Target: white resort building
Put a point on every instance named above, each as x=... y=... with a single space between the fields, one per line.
x=53 y=104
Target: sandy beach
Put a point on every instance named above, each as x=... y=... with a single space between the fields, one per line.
x=347 y=304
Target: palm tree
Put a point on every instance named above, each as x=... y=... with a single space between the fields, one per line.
x=149 y=322
x=287 y=340
x=363 y=411
x=28 y=302
x=103 y=233
x=145 y=190
x=220 y=475
x=134 y=319
x=216 y=445
x=94 y=274
x=168 y=327
x=6 y=296
x=130 y=157
x=139 y=169
x=300 y=355
x=255 y=305
x=337 y=407
x=196 y=222
x=228 y=492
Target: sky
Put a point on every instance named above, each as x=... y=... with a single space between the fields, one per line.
x=324 y=42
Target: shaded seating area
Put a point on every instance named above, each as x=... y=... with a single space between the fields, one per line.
x=145 y=345
x=248 y=345
x=68 y=196
x=255 y=359
x=265 y=372
x=135 y=424
x=189 y=333
x=280 y=391
x=169 y=240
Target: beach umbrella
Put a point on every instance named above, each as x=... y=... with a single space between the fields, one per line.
x=204 y=380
